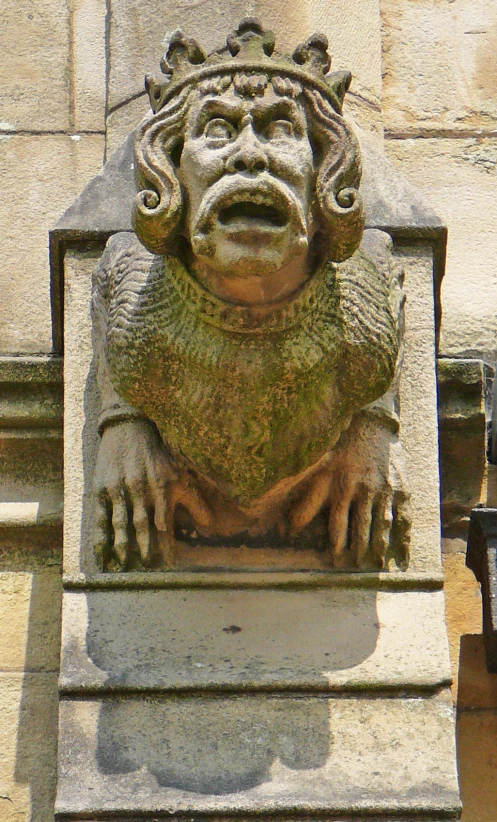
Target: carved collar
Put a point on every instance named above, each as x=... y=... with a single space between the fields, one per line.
x=244 y=319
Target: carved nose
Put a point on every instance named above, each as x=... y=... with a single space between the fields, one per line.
x=248 y=158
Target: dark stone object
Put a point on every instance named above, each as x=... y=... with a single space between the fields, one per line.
x=481 y=558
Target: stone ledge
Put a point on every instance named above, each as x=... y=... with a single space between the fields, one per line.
x=137 y=580
x=31 y=394
x=245 y=757
x=233 y=640
x=31 y=499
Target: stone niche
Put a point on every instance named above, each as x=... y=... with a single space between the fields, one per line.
x=219 y=673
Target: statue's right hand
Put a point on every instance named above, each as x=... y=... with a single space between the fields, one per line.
x=130 y=483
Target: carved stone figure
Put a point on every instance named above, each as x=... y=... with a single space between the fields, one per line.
x=248 y=337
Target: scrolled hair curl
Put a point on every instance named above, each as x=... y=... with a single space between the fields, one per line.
x=159 y=202
x=338 y=179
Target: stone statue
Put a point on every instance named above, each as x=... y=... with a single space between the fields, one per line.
x=248 y=337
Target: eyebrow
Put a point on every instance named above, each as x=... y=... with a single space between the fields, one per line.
x=260 y=111
x=235 y=110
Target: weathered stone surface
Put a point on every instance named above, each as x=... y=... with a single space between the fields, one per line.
x=458 y=178
x=354 y=32
x=321 y=639
x=439 y=66
x=31 y=394
x=88 y=64
x=391 y=202
x=258 y=754
x=28 y=734
x=80 y=414
x=31 y=452
x=477 y=760
x=136 y=34
x=477 y=687
x=463 y=434
x=34 y=72
x=119 y=124
x=418 y=405
x=463 y=613
x=30 y=618
x=63 y=166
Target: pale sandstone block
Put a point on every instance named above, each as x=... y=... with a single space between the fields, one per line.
x=30 y=619
x=34 y=69
x=40 y=176
x=320 y=639
x=458 y=178
x=137 y=32
x=88 y=64
x=122 y=121
x=80 y=414
x=28 y=740
x=439 y=65
x=418 y=409
x=259 y=754
x=354 y=32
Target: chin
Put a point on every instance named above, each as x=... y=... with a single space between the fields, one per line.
x=256 y=256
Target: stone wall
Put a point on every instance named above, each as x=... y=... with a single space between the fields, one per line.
x=71 y=89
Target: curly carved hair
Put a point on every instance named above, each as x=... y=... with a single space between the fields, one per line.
x=158 y=207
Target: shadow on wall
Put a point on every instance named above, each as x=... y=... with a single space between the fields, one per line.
x=36 y=763
x=235 y=640
x=212 y=746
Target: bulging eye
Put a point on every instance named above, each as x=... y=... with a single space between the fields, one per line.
x=219 y=131
x=279 y=130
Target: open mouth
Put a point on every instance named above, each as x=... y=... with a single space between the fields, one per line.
x=252 y=214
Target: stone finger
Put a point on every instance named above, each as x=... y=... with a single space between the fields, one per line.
x=310 y=504
x=101 y=532
x=161 y=508
x=338 y=527
x=141 y=525
x=120 y=527
x=381 y=527
x=360 y=526
x=401 y=528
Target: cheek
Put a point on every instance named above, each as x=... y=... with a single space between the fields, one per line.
x=293 y=162
x=199 y=167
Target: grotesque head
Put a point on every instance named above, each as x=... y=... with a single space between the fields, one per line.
x=246 y=166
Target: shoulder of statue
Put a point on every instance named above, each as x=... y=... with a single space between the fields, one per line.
x=374 y=275
x=124 y=248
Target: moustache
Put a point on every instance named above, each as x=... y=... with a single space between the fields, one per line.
x=278 y=204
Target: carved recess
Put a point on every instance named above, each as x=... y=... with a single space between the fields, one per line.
x=248 y=336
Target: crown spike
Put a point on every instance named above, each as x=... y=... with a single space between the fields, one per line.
x=181 y=50
x=250 y=39
x=249 y=51
x=313 y=54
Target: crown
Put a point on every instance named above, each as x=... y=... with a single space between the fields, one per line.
x=249 y=49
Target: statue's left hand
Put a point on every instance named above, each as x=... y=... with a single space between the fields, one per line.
x=370 y=506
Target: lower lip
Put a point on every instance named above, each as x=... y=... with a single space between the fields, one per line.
x=250 y=226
